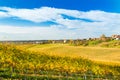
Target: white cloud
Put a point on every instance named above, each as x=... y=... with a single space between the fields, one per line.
x=3 y=14
x=23 y=33
x=103 y=23
x=49 y=14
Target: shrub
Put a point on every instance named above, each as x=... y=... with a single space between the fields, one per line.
x=95 y=42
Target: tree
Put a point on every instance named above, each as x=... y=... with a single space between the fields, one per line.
x=103 y=37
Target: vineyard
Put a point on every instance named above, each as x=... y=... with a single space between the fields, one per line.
x=35 y=62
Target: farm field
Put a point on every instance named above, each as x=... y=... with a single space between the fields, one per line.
x=58 y=61
x=92 y=53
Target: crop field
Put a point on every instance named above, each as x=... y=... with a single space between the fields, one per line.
x=93 y=53
x=58 y=61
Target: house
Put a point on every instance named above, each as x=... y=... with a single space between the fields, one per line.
x=116 y=37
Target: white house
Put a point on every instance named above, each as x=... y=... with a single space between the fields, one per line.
x=116 y=37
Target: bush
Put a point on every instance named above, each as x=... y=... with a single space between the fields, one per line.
x=95 y=42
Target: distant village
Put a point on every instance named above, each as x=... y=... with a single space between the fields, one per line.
x=102 y=37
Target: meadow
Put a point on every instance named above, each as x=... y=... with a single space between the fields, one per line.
x=92 y=53
x=58 y=61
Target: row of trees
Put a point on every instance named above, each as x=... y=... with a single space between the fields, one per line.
x=90 y=41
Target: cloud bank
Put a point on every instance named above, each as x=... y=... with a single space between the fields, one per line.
x=69 y=23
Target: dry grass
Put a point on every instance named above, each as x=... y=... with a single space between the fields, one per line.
x=93 y=53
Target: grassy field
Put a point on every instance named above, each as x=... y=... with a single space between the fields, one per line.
x=92 y=53
x=56 y=61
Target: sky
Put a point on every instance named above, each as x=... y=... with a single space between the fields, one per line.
x=58 y=19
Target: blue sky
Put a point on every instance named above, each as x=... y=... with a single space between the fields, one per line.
x=58 y=19
x=84 y=5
